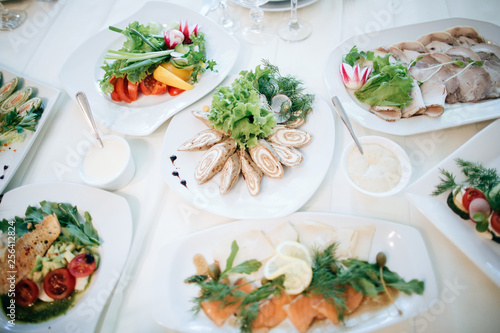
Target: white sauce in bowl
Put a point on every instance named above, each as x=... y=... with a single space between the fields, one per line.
x=377 y=170
x=103 y=164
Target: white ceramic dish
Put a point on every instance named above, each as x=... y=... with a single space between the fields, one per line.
x=454 y=115
x=282 y=5
x=113 y=221
x=396 y=149
x=143 y=116
x=11 y=159
x=480 y=148
x=404 y=246
x=277 y=197
x=111 y=167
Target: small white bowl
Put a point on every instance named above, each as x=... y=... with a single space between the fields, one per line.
x=396 y=149
x=109 y=168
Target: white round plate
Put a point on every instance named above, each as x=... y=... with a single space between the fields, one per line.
x=277 y=197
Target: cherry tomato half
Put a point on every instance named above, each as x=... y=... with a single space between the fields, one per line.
x=147 y=85
x=121 y=88
x=114 y=94
x=159 y=88
x=59 y=283
x=173 y=91
x=26 y=292
x=82 y=265
x=495 y=221
x=471 y=194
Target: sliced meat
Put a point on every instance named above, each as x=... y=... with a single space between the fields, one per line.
x=437 y=46
x=440 y=36
x=462 y=52
x=434 y=95
x=474 y=85
x=388 y=113
x=411 y=46
x=468 y=32
x=213 y=160
x=417 y=105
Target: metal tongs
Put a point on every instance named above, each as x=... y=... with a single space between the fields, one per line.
x=343 y=115
x=81 y=98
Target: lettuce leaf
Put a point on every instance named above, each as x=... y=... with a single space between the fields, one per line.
x=239 y=111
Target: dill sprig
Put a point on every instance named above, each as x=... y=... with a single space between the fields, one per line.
x=476 y=175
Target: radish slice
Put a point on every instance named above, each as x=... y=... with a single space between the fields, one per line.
x=479 y=207
x=281 y=106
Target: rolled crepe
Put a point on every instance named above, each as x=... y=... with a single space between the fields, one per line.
x=230 y=173
x=213 y=160
x=290 y=137
x=288 y=156
x=266 y=159
x=251 y=172
x=203 y=140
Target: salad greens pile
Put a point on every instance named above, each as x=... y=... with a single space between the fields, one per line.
x=144 y=49
x=74 y=228
x=13 y=125
x=242 y=109
x=388 y=85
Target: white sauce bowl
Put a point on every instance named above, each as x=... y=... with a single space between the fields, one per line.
x=391 y=146
x=109 y=168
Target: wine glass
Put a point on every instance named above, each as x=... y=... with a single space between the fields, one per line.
x=293 y=30
x=11 y=19
x=230 y=24
x=256 y=33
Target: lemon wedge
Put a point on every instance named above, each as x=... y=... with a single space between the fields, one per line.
x=294 y=261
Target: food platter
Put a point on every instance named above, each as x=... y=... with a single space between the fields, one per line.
x=12 y=157
x=454 y=115
x=277 y=197
x=404 y=246
x=282 y=5
x=484 y=253
x=108 y=219
x=145 y=115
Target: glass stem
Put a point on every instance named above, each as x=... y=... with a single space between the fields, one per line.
x=257 y=15
x=3 y=9
x=293 y=12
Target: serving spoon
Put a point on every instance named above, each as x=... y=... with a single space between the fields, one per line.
x=82 y=100
x=343 y=115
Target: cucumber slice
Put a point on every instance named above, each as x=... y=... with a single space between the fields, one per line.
x=455 y=209
x=16 y=99
x=8 y=88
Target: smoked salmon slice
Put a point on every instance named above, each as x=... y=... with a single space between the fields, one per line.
x=301 y=311
x=353 y=298
x=271 y=312
x=219 y=311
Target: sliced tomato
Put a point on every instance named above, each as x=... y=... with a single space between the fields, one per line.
x=82 y=265
x=159 y=88
x=121 y=88
x=495 y=221
x=26 y=292
x=471 y=194
x=59 y=283
x=173 y=91
x=147 y=85
x=133 y=91
x=114 y=94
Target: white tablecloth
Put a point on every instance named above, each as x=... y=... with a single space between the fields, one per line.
x=53 y=30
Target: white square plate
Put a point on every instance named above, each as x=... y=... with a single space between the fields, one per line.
x=143 y=116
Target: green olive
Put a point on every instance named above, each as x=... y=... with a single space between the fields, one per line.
x=214 y=271
x=381 y=259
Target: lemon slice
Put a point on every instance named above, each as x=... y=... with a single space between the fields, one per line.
x=294 y=250
x=294 y=261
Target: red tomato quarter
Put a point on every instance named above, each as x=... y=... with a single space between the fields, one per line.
x=471 y=194
x=173 y=91
x=59 y=284
x=82 y=265
x=26 y=292
x=133 y=91
x=495 y=221
x=121 y=88
x=114 y=94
